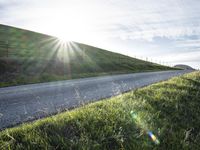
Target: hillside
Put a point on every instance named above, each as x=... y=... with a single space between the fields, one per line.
x=184 y=67
x=30 y=57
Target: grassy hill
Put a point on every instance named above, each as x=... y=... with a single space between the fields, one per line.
x=30 y=57
x=169 y=109
x=185 y=67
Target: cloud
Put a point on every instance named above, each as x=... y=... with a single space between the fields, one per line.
x=157 y=28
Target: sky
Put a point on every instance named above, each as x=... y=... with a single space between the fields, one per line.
x=164 y=31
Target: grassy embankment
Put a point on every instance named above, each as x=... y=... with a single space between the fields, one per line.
x=30 y=57
x=169 y=109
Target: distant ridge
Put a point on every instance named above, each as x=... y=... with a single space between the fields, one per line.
x=182 y=66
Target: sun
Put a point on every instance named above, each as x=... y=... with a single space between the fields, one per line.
x=70 y=25
x=65 y=33
x=64 y=38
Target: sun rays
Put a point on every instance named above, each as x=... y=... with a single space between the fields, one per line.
x=65 y=56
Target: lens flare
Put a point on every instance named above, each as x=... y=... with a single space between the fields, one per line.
x=153 y=137
x=134 y=115
x=138 y=122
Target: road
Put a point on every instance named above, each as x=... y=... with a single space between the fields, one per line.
x=28 y=102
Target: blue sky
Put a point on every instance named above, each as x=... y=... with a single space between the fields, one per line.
x=163 y=30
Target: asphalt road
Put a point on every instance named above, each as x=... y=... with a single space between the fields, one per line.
x=27 y=102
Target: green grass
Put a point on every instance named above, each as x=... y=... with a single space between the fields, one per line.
x=169 y=109
x=29 y=57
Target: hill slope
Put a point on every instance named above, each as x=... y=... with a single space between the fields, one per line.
x=30 y=57
x=185 y=67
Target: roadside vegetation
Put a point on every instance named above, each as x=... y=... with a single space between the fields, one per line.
x=169 y=110
x=29 y=57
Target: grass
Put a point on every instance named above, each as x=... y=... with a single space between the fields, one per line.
x=169 y=109
x=29 y=57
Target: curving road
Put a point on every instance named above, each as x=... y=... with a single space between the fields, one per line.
x=27 y=102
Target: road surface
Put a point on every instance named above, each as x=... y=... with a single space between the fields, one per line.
x=28 y=102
